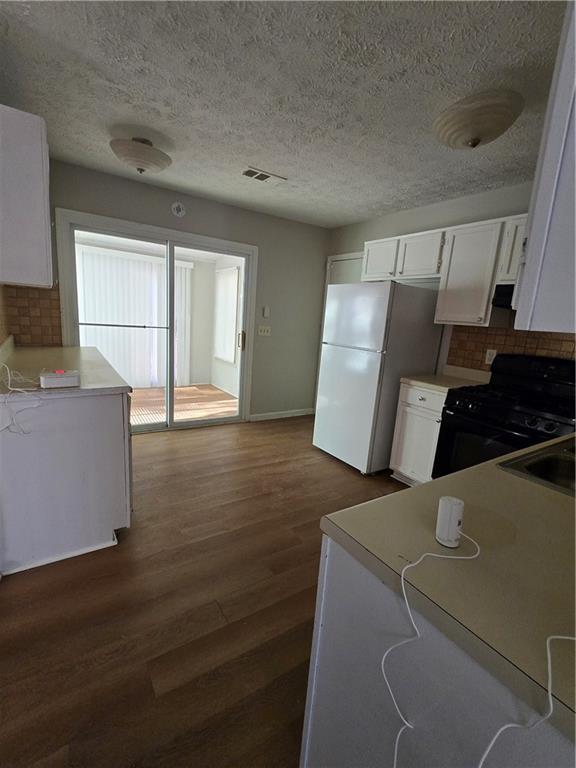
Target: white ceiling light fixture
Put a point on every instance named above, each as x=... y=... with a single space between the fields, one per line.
x=140 y=154
x=478 y=119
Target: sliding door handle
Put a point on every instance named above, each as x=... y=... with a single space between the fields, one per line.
x=242 y=340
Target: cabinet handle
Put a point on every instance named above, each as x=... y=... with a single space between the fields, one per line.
x=391 y=273
x=480 y=319
x=438 y=421
x=421 y=397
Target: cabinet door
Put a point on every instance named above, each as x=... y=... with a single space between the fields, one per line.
x=467 y=279
x=420 y=256
x=511 y=250
x=380 y=259
x=415 y=438
x=345 y=270
x=25 y=244
x=546 y=297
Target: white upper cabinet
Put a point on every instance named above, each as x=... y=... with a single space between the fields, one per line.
x=25 y=243
x=403 y=258
x=380 y=257
x=420 y=255
x=468 y=274
x=511 y=249
x=545 y=296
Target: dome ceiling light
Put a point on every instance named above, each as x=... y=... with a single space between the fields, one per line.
x=478 y=119
x=140 y=154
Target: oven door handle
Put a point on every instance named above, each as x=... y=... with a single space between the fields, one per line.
x=498 y=430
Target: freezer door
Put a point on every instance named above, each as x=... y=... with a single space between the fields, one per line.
x=347 y=394
x=356 y=315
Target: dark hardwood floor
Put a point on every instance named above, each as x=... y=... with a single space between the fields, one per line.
x=187 y=645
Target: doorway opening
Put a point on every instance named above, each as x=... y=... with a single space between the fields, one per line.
x=170 y=320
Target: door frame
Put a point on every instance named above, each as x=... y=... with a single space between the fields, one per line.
x=68 y=220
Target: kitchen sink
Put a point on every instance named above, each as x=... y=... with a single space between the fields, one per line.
x=553 y=466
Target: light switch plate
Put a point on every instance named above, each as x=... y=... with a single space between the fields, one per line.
x=490 y=355
x=264 y=330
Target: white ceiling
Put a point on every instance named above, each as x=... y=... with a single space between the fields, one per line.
x=337 y=96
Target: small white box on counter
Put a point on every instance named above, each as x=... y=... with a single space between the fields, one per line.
x=59 y=378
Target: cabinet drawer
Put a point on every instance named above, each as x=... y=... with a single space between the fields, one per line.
x=424 y=398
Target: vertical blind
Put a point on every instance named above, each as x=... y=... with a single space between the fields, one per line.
x=120 y=288
x=225 y=312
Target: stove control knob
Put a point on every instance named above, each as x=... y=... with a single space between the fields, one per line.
x=531 y=421
x=549 y=426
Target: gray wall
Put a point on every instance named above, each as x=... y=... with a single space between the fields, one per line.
x=505 y=201
x=291 y=266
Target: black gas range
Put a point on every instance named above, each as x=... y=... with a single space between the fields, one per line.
x=529 y=400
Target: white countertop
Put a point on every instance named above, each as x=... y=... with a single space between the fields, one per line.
x=440 y=382
x=518 y=592
x=97 y=376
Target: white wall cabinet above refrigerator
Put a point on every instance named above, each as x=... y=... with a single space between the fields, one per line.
x=380 y=258
x=420 y=255
x=468 y=272
x=25 y=241
x=406 y=257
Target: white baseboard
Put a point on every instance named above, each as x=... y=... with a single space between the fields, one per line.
x=280 y=414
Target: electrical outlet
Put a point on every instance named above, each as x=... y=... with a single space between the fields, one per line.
x=490 y=355
x=264 y=330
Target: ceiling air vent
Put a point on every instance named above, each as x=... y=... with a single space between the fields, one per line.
x=264 y=176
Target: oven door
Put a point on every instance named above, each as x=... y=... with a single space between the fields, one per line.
x=464 y=442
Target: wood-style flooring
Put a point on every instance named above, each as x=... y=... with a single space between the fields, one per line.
x=197 y=401
x=187 y=645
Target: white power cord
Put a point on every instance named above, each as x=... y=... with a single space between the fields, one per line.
x=549 y=709
x=407 y=723
x=417 y=636
x=17 y=378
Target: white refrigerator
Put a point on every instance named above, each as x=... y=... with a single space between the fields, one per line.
x=374 y=333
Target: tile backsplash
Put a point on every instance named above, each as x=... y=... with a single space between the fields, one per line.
x=468 y=345
x=3 y=318
x=32 y=315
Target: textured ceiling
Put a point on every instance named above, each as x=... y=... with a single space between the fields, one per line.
x=337 y=96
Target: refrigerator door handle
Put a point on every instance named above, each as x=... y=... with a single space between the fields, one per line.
x=360 y=349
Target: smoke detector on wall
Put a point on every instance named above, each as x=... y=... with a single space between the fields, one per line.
x=140 y=154
x=263 y=176
x=478 y=119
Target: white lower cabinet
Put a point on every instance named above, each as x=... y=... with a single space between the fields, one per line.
x=66 y=480
x=416 y=434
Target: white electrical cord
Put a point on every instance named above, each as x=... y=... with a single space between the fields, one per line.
x=16 y=377
x=549 y=710
x=407 y=723
x=417 y=636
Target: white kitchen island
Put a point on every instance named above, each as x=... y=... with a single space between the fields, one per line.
x=481 y=661
x=64 y=459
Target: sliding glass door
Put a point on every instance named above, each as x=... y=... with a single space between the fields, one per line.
x=123 y=310
x=170 y=321
x=208 y=338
